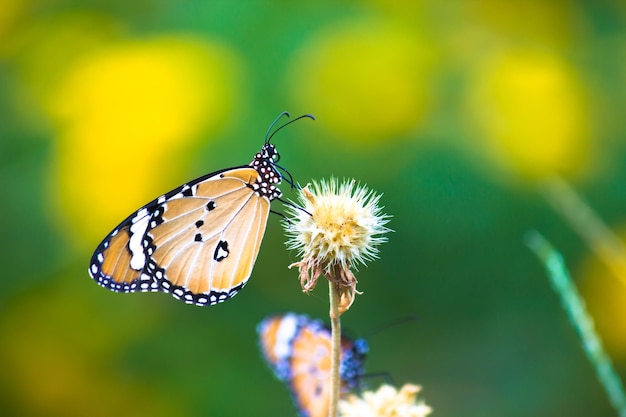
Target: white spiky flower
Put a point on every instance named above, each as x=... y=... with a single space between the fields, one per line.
x=339 y=227
x=386 y=402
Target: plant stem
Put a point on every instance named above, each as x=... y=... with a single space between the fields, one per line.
x=601 y=239
x=335 y=358
x=574 y=306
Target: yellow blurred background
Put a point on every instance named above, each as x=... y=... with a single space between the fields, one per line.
x=456 y=111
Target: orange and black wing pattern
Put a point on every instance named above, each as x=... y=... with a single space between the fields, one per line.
x=198 y=242
x=298 y=350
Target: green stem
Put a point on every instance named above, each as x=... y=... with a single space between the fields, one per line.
x=335 y=358
x=580 y=319
x=599 y=237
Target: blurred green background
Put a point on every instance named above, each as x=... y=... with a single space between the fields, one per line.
x=457 y=111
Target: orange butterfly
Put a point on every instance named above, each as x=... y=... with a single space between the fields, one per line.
x=198 y=242
x=297 y=349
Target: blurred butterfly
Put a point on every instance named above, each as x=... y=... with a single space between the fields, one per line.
x=298 y=350
x=198 y=242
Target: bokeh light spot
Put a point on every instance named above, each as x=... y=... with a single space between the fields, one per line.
x=44 y=50
x=554 y=23
x=605 y=296
x=367 y=80
x=124 y=114
x=9 y=13
x=529 y=107
x=64 y=357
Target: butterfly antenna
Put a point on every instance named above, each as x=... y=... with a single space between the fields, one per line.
x=268 y=136
x=269 y=130
x=387 y=326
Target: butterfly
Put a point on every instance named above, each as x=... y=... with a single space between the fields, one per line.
x=298 y=349
x=198 y=242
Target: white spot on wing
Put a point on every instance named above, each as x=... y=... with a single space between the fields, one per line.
x=140 y=215
x=137 y=232
x=285 y=334
x=221 y=254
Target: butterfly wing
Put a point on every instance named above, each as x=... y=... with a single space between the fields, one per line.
x=198 y=242
x=310 y=369
x=298 y=350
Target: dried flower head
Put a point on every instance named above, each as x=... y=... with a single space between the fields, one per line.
x=340 y=227
x=386 y=402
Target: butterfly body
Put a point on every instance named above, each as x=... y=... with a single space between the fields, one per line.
x=298 y=349
x=198 y=242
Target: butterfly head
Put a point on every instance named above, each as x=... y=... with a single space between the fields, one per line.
x=264 y=163
x=269 y=153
